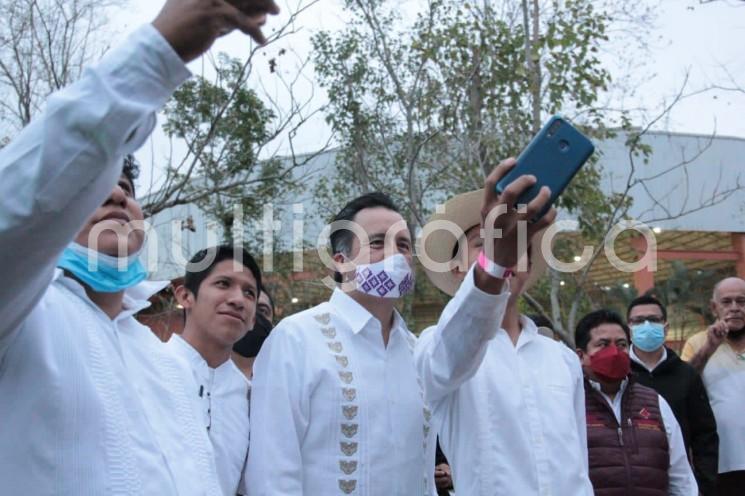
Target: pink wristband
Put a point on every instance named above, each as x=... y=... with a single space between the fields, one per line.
x=492 y=268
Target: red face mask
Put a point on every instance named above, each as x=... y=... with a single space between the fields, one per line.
x=610 y=364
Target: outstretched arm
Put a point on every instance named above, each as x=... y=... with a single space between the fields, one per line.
x=66 y=162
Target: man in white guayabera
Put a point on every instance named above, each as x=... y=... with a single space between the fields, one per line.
x=514 y=421
x=93 y=403
x=337 y=406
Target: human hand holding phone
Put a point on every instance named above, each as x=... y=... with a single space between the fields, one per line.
x=553 y=157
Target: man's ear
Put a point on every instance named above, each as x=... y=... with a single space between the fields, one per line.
x=184 y=297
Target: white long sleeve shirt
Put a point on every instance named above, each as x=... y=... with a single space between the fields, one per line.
x=91 y=405
x=222 y=393
x=681 y=479
x=334 y=411
x=513 y=423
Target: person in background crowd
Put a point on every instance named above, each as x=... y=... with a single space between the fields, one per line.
x=718 y=353
x=512 y=420
x=544 y=325
x=658 y=367
x=634 y=442
x=337 y=404
x=443 y=476
x=248 y=347
x=94 y=393
x=219 y=297
x=265 y=306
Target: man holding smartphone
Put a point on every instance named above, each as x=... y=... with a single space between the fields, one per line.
x=337 y=405
x=514 y=421
x=89 y=394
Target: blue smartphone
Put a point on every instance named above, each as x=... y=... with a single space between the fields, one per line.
x=554 y=156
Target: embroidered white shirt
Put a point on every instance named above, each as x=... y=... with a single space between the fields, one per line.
x=90 y=405
x=682 y=481
x=334 y=411
x=223 y=396
x=514 y=422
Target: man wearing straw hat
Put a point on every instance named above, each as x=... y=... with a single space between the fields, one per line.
x=515 y=422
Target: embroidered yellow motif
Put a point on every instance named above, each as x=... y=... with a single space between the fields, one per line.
x=342 y=360
x=350 y=411
x=335 y=347
x=348 y=449
x=329 y=332
x=348 y=467
x=350 y=394
x=349 y=430
x=348 y=486
x=427 y=414
x=323 y=318
x=346 y=377
x=426 y=430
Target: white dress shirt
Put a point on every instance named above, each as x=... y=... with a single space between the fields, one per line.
x=681 y=479
x=635 y=357
x=334 y=411
x=514 y=422
x=91 y=405
x=223 y=396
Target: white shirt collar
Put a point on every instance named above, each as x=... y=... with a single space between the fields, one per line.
x=196 y=359
x=634 y=357
x=357 y=316
x=135 y=298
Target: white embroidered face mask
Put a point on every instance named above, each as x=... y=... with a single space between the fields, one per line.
x=389 y=278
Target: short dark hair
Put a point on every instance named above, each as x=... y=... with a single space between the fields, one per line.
x=269 y=295
x=593 y=320
x=193 y=278
x=646 y=300
x=341 y=239
x=131 y=170
x=541 y=321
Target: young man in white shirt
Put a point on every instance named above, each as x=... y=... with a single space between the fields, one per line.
x=219 y=296
x=634 y=441
x=337 y=406
x=512 y=421
x=91 y=394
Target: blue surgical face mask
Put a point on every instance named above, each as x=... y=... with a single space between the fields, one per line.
x=103 y=273
x=648 y=336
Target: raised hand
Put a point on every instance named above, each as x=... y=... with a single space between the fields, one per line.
x=716 y=334
x=192 y=26
x=501 y=222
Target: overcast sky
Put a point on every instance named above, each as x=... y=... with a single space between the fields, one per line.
x=701 y=40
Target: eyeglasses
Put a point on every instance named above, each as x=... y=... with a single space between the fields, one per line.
x=640 y=319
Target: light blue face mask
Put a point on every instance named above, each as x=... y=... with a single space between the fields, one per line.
x=103 y=273
x=648 y=336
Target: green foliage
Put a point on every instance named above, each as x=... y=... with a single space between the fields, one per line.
x=424 y=110
x=223 y=124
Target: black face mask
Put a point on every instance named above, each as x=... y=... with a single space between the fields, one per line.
x=250 y=344
x=736 y=335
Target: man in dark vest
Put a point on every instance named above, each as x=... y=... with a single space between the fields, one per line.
x=635 y=446
x=657 y=366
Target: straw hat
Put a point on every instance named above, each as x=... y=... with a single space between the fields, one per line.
x=464 y=211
